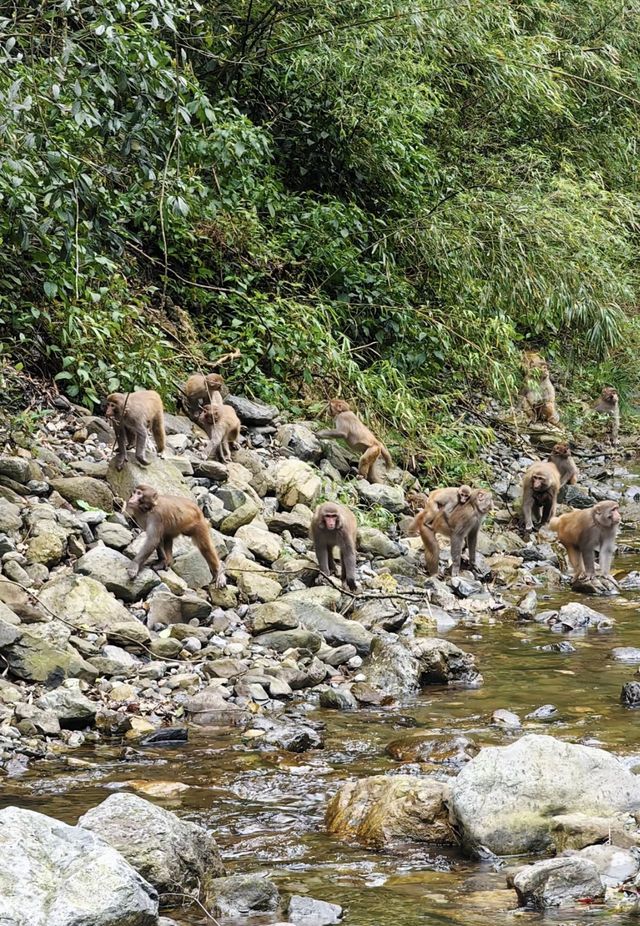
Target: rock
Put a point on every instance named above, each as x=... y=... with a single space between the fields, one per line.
x=114 y=535
x=305 y=911
x=615 y=865
x=300 y=441
x=240 y=517
x=444 y=663
x=371 y=540
x=36 y=660
x=252 y=412
x=208 y=708
x=544 y=714
x=47 y=546
x=335 y=629
x=85 y=603
x=385 y=809
x=10 y=517
x=170 y=853
x=94 y=492
x=575 y=497
x=244 y=895
x=192 y=567
x=502 y=798
x=296 y=483
x=166 y=736
x=389 y=497
x=109 y=567
x=274 y=615
x=298 y=737
x=253 y=580
x=162 y=475
x=506 y=719
x=73 y=709
x=115 y=661
x=263 y=544
x=15 y=468
x=628 y=654
x=58 y=875
x=630 y=694
x=558 y=882
x=282 y=640
x=527 y=606
x=297 y=521
x=165 y=647
x=574 y=616
x=391 y=666
x=339 y=699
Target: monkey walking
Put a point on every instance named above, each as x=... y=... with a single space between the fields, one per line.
x=131 y=415
x=222 y=426
x=201 y=390
x=358 y=436
x=583 y=532
x=165 y=517
x=540 y=488
x=334 y=525
x=461 y=524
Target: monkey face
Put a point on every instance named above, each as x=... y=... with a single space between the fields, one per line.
x=539 y=483
x=210 y=414
x=484 y=501
x=113 y=409
x=464 y=494
x=331 y=520
x=144 y=498
x=337 y=406
x=607 y=514
x=214 y=381
x=561 y=450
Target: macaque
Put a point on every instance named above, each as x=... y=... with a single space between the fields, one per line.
x=359 y=437
x=223 y=427
x=462 y=525
x=561 y=458
x=202 y=390
x=131 y=415
x=540 y=488
x=539 y=398
x=416 y=500
x=332 y=526
x=444 y=501
x=583 y=532
x=165 y=517
x=608 y=404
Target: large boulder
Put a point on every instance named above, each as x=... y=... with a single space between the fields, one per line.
x=296 y=483
x=389 y=497
x=255 y=582
x=58 y=875
x=384 y=809
x=558 y=882
x=252 y=412
x=391 y=667
x=109 y=567
x=172 y=854
x=85 y=603
x=300 y=441
x=10 y=517
x=509 y=798
x=36 y=660
x=162 y=475
x=288 y=612
x=94 y=492
x=444 y=663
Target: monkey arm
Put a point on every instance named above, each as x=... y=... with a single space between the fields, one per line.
x=330 y=433
x=349 y=564
x=322 y=553
x=151 y=542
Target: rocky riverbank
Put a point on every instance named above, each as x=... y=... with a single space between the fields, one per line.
x=91 y=656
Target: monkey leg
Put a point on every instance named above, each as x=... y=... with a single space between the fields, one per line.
x=167 y=551
x=331 y=563
x=548 y=511
x=431 y=549
x=472 y=542
x=131 y=437
x=122 y=441
x=202 y=539
x=457 y=541
x=322 y=554
x=348 y=562
x=157 y=429
x=141 y=443
x=225 y=452
x=367 y=462
x=589 y=559
x=151 y=543
x=527 y=513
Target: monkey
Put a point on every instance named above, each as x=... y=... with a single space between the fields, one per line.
x=461 y=525
x=332 y=526
x=223 y=427
x=583 y=532
x=444 y=501
x=539 y=398
x=416 y=500
x=132 y=414
x=561 y=458
x=165 y=517
x=540 y=488
x=201 y=390
x=359 y=437
x=608 y=403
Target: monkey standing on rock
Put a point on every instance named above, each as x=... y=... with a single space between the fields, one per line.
x=539 y=398
x=165 y=517
x=540 y=488
x=131 y=415
x=561 y=458
x=608 y=404
x=201 y=390
x=222 y=426
x=583 y=532
x=334 y=525
x=348 y=426
x=462 y=525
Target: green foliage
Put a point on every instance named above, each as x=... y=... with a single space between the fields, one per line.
x=368 y=198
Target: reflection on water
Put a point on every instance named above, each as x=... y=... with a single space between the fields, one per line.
x=267 y=809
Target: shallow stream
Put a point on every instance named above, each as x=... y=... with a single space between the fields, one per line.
x=267 y=809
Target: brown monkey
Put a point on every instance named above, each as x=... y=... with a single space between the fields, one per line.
x=165 y=517
x=540 y=488
x=583 y=532
x=608 y=403
x=359 y=437
x=461 y=525
x=539 y=398
x=132 y=414
x=416 y=500
x=443 y=501
x=202 y=390
x=332 y=526
x=561 y=458
x=223 y=427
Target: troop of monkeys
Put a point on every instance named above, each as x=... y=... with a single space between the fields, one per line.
x=456 y=512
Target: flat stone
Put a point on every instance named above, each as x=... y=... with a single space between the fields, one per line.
x=94 y=492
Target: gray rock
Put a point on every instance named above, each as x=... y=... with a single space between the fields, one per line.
x=115 y=661
x=36 y=660
x=282 y=640
x=255 y=582
x=442 y=662
x=372 y=540
x=10 y=517
x=628 y=654
x=544 y=713
x=506 y=719
x=262 y=543
x=15 y=468
x=240 y=517
x=274 y=615
x=69 y=705
x=244 y=895
x=292 y=737
x=558 y=882
x=389 y=497
x=575 y=497
x=300 y=441
x=615 y=865
x=335 y=629
x=391 y=666
x=305 y=911
x=110 y=568
x=297 y=521
x=114 y=535
x=576 y=616
x=162 y=475
x=58 y=875
x=85 y=603
x=85 y=489
x=338 y=699
x=296 y=483
x=208 y=708
x=170 y=853
x=252 y=412
x=504 y=797
x=630 y=694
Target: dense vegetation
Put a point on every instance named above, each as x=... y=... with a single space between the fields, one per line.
x=383 y=199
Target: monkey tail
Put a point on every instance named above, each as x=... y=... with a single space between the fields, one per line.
x=386 y=456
